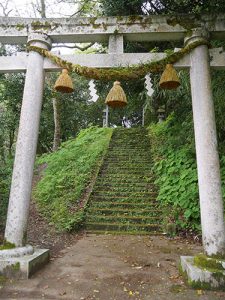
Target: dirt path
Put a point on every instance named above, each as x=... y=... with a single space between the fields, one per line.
x=112 y=267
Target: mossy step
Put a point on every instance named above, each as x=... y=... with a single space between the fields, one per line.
x=116 y=160
x=121 y=169
x=126 y=186
x=120 y=193
x=154 y=211
x=109 y=183
x=112 y=232
x=121 y=199
x=123 y=148
x=123 y=219
x=125 y=179
x=127 y=156
x=130 y=168
x=121 y=226
x=125 y=176
x=123 y=189
x=95 y=199
x=127 y=165
x=124 y=172
x=130 y=204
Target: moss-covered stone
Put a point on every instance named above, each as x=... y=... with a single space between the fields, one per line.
x=187 y=23
x=2 y=279
x=211 y=264
x=218 y=275
x=7 y=245
x=16 y=267
x=37 y=25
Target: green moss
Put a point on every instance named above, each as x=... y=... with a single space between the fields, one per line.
x=133 y=19
x=36 y=25
x=199 y=285
x=176 y=288
x=208 y=263
x=119 y=18
x=2 y=279
x=96 y=26
x=104 y=25
x=16 y=267
x=7 y=245
x=185 y=22
x=20 y=26
x=192 y=283
x=92 y=20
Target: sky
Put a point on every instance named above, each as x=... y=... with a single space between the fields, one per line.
x=25 y=8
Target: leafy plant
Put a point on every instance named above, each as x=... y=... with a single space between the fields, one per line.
x=176 y=172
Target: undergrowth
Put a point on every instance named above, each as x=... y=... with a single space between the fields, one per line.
x=176 y=172
x=5 y=179
x=175 y=168
x=60 y=192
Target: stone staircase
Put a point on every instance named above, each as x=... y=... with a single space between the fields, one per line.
x=123 y=198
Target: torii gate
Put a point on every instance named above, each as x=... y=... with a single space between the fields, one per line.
x=44 y=32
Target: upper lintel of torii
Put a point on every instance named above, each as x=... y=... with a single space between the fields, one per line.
x=133 y=28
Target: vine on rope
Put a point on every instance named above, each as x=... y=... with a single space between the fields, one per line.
x=119 y=73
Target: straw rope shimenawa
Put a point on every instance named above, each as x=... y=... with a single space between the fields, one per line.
x=122 y=73
x=169 y=79
x=116 y=96
x=64 y=83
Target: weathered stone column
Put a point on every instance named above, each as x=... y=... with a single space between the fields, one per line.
x=21 y=186
x=211 y=203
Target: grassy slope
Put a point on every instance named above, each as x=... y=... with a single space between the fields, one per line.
x=68 y=173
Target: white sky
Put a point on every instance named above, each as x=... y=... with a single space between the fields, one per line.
x=25 y=8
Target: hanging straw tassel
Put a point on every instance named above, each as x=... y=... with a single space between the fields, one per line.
x=116 y=96
x=169 y=79
x=64 y=83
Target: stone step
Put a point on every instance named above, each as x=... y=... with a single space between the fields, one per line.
x=108 y=204
x=125 y=219
x=122 y=227
x=113 y=232
x=106 y=193
x=125 y=172
x=123 y=189
x=124 y=178
x=122 y=199
x=125 y=211
x=125 y=184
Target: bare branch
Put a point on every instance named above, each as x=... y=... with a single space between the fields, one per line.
x=5 y=8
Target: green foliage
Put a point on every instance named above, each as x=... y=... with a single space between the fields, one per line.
x=69 y=171
x=5 y=178
x=176 y=173
x=175 y=168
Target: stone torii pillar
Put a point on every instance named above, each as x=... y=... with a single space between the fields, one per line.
x=209 y=181
x=21 y=186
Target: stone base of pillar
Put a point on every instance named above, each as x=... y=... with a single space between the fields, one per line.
x=24 y=266
x=206 y=278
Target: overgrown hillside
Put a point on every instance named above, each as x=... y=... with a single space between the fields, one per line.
x=176 y=171
x=60 y=194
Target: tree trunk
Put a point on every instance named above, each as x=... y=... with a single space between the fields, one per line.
x=57 y=131
x=43 y=9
